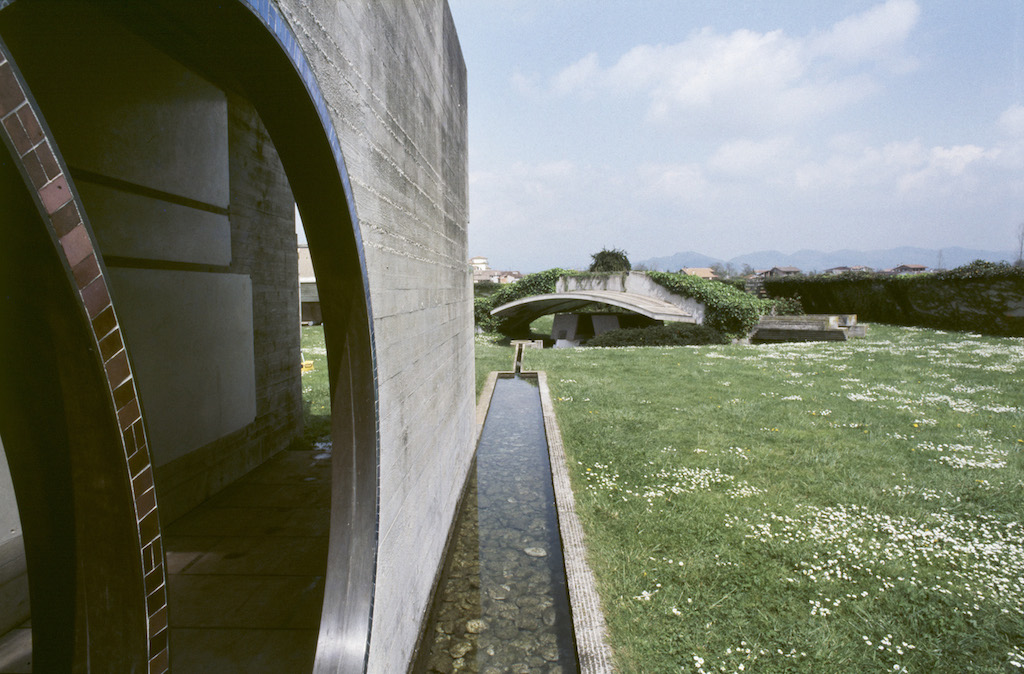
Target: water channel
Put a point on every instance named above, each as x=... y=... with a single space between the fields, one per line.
x=502 y=604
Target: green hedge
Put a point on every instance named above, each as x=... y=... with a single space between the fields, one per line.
x=983 y=297
x=727 y=309
x=673 y=334
x=540 y=283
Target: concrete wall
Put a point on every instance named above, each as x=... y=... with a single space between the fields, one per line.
x=194 y=217
x=393 y=76
x=14 y=604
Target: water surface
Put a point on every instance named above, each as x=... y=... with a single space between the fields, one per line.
x=503 y=604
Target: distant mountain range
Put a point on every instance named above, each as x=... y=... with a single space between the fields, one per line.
x=816 y=260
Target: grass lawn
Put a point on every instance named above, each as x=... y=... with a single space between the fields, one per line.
x=316 y=394
x=825 y=507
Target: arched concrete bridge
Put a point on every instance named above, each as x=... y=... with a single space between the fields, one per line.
x=632 y=291
x=522 y=312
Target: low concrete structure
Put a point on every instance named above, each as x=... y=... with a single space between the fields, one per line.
x=309 y=295
x=807 y=328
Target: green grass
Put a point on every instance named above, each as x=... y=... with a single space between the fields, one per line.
x=316 y=394
x=826 y=507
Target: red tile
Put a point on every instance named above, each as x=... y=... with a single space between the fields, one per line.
x=158 y=621
x=104 y=323
x=34 y=169
x=11 y=95
x=149 y=527
x=86 y=271
x=48 y=160
x=129 y=414
x=159 y=663
x=140 y=435
x=30 y=123
x=55 y=194
x=154 y=580
x=137 y=461
x=66 y=219
x=20 y=138
x=96 y=297
x=122 y=395
x=76 y=245
x=143 y=481
x=149 y=557
x=117 y=369
x=146 y=502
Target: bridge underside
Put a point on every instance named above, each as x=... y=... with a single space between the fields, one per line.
x=519 y=314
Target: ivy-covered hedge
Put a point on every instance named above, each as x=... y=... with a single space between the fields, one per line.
x=727 y=309
x=982 y=297
x=540 y=283
x=673 y=334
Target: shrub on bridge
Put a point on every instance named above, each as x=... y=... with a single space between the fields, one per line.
x=672 y=334
x=726 y=309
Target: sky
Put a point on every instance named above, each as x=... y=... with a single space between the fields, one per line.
x=661 y=126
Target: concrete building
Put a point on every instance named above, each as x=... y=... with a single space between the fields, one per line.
x=702 y=272
x=309 y=297
x=483 y=273
x=153 y=154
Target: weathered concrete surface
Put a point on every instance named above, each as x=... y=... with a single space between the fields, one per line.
x=529 y=308
x=395 y=81
x=14 y=605
x=184 y=181
x=635 y=282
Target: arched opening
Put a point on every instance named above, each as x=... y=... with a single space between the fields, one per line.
x=63 y=440
x=232 y=77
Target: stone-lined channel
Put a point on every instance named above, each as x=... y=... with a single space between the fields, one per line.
x=502 y=603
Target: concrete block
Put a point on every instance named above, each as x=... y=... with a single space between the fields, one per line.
x=190 y=336
x=139 y=226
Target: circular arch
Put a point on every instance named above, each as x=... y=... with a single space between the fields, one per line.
x=246 y=45
x=77 y=448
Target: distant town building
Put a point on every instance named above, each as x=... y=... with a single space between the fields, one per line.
x=776 y=272
x=856 y=269
x=703 y=272
x=909 y=269
x=482 y=272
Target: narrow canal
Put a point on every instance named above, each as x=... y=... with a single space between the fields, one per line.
x=503 y=605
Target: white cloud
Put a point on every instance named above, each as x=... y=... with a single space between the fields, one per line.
x=577 y=76
x=680 y=183
x=872 y=34
x=748 y=79
x=949 y=168
x=1011 y=121
x=745 y=157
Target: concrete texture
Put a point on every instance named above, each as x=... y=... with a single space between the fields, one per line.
x=193 y=354
x=183 y=183
x=634 y=282
x=14 y=603
x=393 y=76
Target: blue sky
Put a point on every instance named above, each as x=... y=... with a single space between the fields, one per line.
x=661 y=126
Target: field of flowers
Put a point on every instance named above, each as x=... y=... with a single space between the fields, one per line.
x=824 y=507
